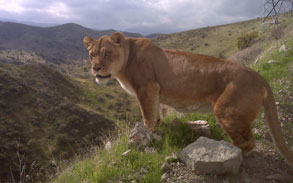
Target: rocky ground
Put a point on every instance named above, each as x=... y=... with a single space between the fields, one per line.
x=263 y=165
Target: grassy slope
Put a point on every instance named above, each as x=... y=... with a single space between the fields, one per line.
x=112 y=166
x=218 y=41
x=53 y=116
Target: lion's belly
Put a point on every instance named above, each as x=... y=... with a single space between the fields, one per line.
x=189 y=106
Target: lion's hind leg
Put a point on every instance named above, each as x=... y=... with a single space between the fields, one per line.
x=240 y=134
x=236 y=110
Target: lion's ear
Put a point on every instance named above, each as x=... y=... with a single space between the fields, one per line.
x=88 y=42
x=118 y=37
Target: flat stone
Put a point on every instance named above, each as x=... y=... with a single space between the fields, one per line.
x=200 y=127
x=211 y=156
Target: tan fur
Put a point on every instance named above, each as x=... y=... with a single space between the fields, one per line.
x=189 y=82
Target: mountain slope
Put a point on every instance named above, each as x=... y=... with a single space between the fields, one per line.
x=217 y=41
x=47 y=115
x=58 y=44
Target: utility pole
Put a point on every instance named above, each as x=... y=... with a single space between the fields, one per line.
x=273 y=8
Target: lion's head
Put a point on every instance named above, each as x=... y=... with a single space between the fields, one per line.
x=107 y=54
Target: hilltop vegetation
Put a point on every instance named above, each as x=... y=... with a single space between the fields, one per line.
x=217 y=41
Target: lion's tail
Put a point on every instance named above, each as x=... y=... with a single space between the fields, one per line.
x=274 y=125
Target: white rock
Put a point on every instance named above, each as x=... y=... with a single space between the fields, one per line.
x=256 y=60
x=282 y=48
x=108 y=145
x=126 y=153
x=211 y=156
x=149 y=150
x=143 y=170
x=273 y=62
x=200 y=127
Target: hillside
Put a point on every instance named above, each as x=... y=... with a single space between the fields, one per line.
x=57 y=44
x=218 y=41
x=48 y=116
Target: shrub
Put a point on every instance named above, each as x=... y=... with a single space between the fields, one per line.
x=246 y=40
x=277 y=32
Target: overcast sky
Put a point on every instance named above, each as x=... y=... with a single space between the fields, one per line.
x=143 y=16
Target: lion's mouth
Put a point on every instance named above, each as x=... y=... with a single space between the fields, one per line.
x=103 y=77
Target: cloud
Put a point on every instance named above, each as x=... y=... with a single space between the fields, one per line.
x=145 y=16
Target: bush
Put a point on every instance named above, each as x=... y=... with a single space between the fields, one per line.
x=246 y=40
x=277 y=32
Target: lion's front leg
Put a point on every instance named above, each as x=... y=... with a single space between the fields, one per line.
x=148 y=97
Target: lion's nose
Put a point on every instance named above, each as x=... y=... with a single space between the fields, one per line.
x=96 y=68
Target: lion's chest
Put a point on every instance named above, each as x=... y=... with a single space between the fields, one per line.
x=127 y=87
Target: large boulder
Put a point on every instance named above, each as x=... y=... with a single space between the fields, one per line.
x=211 y=156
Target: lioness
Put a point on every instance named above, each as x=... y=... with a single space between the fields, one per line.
x=187 y=82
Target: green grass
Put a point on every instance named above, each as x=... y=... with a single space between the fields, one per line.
x=110 y=165
x=275 y=74
x=279 y=70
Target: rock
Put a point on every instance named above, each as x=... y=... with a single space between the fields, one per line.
x=270 y=177
x=282 y=48
x=164 y=177
x=143 y=171
x=165 y=167
x=108 y=145
x=200 y=127
x=211 y=156
x=273 y=62
x=140 y=136
x=245 y=177
x=256 y=60
x=126 y=153
x=157 y=137
x=149 y=150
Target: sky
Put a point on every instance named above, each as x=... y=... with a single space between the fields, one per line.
x=143 y=16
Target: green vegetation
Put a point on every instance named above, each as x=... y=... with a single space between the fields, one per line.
x=217 y=41
x=278 y=70
x=111 y=165
x=279 y=76
x=246 y=40
x=48 y=116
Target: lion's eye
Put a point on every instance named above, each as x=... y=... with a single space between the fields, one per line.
x=92 y=54
x=107 y=54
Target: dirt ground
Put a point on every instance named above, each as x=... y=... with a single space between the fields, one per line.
x=263 y=165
